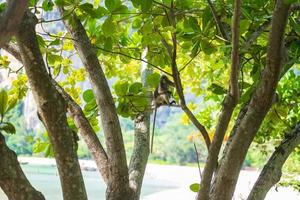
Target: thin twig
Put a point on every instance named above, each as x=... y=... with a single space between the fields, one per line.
x=186 y=64
x=139 y=59
x=113 y=52
x=161 y=4
x=198 y=161
x=218 y=22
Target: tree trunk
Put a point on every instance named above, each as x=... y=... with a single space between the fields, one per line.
x=52 y=111
x=141 y=151
x=118 y=184
x=259 y=105
x=271 y=172
x=86 y=132
x=81 y=122
x=12 y=179
x=10 y=20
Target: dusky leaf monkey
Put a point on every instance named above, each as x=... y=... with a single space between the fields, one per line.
x=162 y=96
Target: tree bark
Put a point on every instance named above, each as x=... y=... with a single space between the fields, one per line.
x=241 y=115
x=81 y=122
x=141 y=148
x=12 y=179
x=87 y=133
x=11 y=18
x=271 y=172
x=259 y=105
x=52 y=111
x=118 y=184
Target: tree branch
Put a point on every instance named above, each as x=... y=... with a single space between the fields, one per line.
x=218 y=22
x=10 y=20
x=178 y=84
x=118 y=184
x=112 y=52
x=12 y=178
x=271 y=172
x=258 y=107
x=52 y=111
x=87 y=133
x=234 y=88
x=253 y=37
x=81 y=122
x=141 y=148
x=229 y=104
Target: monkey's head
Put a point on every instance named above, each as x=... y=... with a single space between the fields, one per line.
x=166 y=81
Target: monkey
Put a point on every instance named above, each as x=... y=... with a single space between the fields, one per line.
x=162 y=96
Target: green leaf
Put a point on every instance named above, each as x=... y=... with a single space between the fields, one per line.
x=47 y=5
x=135 y=87
x=137 y=23
x=147 y=28
x=40 y=147
x=109 y=27
x=146 y=5
x=41 y=41
x=121 y=9
x=136 y=3
x=290 y=1
x=7 y=127
x=193 y=22
x=11 y=104
x=153 y=80
x=121 y=88
x=49 y=151
x=87 y=8
x=108 y=45
x=244 y=25
x=90 y=106
x=167 y=2
x=216 y=89
x=206 y=17
x=99 y=12
x=59 y=2
x=195 y=48
x=195 y=187
x=2 y=7
x=207 y=47
x=123 y=109
x=138 y=103
x=3 y=102
x=88 y=95
x=112 y=4
x=55 y=42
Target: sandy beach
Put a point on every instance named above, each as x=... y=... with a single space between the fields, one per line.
x=179 y=178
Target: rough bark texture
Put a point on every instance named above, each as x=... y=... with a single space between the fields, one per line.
x=241 y=115
x=118 y=184
x=12 y=179
x=86 y=132
x=52 y=111
x=81 y=122
x=259 y=105
x=271 y=172
x=141 y=150
x=11 y=18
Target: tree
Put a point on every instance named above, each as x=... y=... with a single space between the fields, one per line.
x=193 y=42
x=12 y=178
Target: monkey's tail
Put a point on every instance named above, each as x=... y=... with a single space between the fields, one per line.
x=153 y=128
